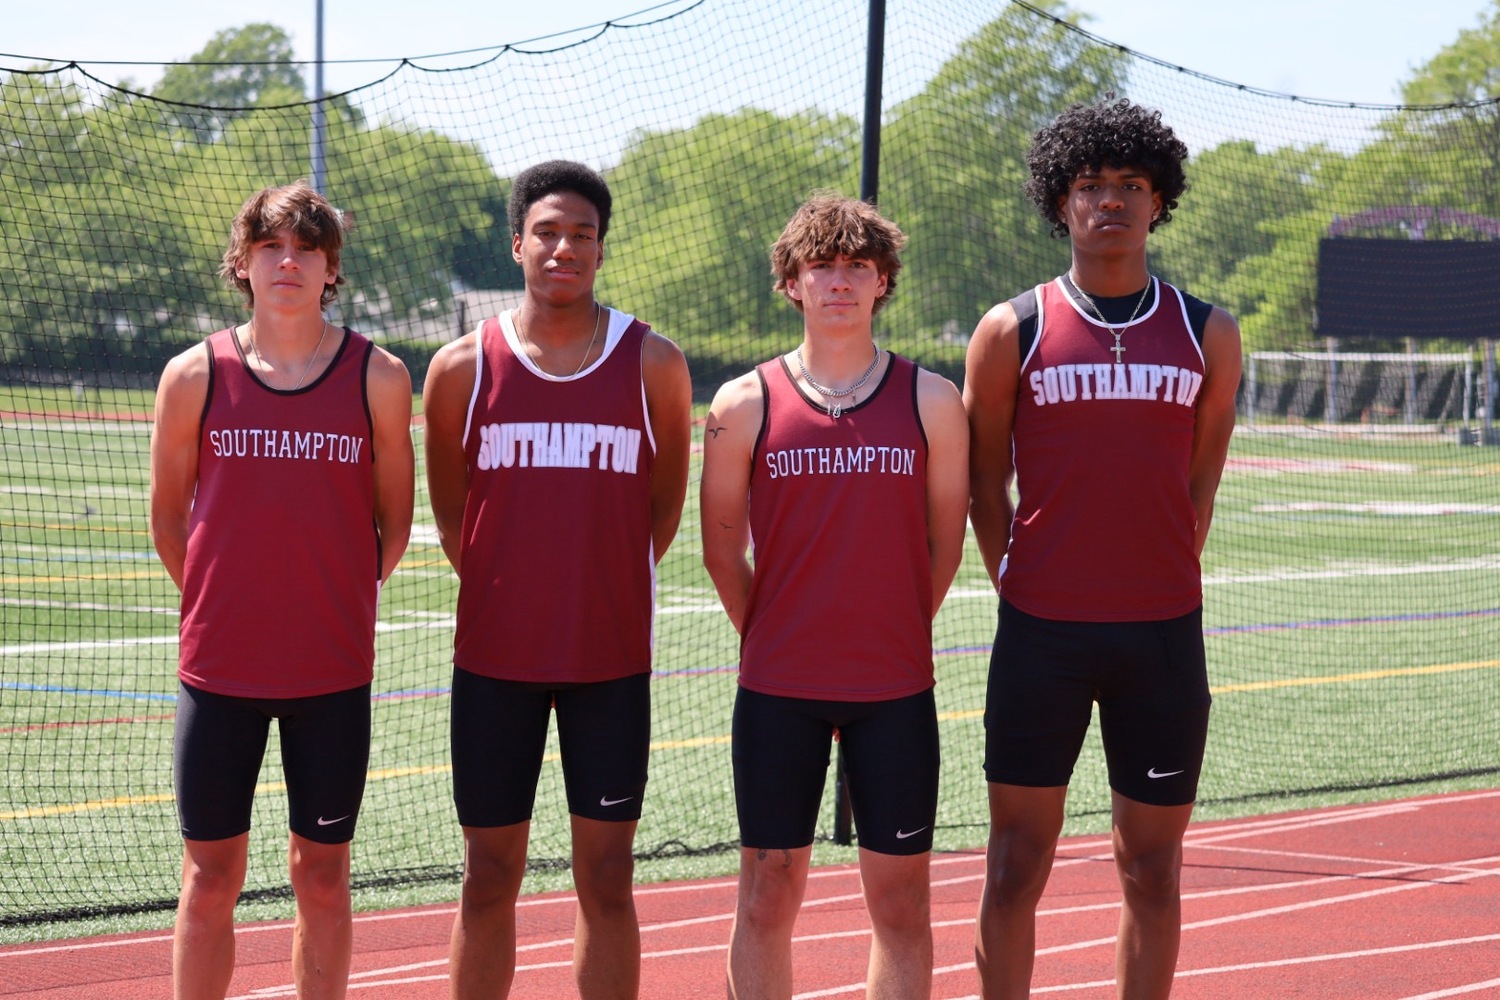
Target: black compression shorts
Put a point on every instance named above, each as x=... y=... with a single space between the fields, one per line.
x=221 y=740
x=891 y=757
x=1150 y=681
x=499 y=734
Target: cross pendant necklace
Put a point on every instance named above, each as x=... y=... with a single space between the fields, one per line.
x=1117 y=332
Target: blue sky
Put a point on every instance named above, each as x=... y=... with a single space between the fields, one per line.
x=1354 y=50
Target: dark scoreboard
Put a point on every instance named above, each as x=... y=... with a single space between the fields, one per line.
x=1408 y=288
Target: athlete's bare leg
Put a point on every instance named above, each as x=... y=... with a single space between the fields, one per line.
x=323 y=935
x=1024 y=827
x=898 y=894
x=482 y=950
x=213 y=872
x=772 y=883
x=1148 y=858
x=607 y=935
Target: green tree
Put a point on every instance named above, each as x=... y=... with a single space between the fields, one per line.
x=1457 y=121
x=954 y=168
x=700 y=208
x=239 y=69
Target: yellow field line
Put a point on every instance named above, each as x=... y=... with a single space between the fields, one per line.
x=75 y=527
x=142 y=575
x=1367 y=675
x=386 y=774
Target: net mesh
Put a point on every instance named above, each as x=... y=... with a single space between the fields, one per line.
x=1353 y=576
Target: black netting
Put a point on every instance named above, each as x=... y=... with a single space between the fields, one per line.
x=1353 y=577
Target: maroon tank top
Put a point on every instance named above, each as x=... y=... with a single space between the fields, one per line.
x=1105 y=525
x=559 y=580
x=840 y=606
x=283 y=557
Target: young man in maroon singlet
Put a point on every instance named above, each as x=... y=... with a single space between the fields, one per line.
x=557 y=458
x=847 y=464
x=281 y=499
x=1108 y=397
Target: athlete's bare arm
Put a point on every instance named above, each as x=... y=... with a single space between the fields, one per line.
x=992 y=375
x=669 y=402
x=724 y=500
x=389 y=386
x=445 y=405
x=174 y=454
x=947 y=430
x=1215 y=417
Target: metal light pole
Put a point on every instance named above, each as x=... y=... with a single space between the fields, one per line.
x=319 y=124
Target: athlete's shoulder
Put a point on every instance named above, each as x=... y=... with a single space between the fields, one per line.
x=739 y=394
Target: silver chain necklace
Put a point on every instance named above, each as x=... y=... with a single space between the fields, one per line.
x=835 y=410
x=598 y=314
x=1119 y=348
x=265 y=369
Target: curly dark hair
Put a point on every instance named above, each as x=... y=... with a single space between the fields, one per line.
x=1112 y=133
x=535 y=183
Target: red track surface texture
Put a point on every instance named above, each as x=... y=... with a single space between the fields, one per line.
x=1394 y=900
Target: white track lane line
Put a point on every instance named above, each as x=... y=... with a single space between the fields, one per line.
x=1284 y=962
x=1488 y=984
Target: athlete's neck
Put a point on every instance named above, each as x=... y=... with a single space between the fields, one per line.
x=837 y=360
x=1109 y=277
x=553 y=325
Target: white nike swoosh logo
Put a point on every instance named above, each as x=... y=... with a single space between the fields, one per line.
x=614 y=802
x=330 y=822
x=902 y=834
x=1164 y=774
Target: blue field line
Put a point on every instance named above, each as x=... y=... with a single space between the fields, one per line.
x=86 y=692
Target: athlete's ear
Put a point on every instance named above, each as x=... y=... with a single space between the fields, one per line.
x=792 y=291
x=515 y=247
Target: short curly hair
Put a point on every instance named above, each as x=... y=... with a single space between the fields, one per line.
x=535 y=183
x=828 y=225
x=294 y=206
x=1112 y=133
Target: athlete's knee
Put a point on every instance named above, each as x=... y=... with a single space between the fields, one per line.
x=605 y=882
x=901 y=909
x=492 y=877
x=320 y=878
x=1150 y=875
x=1016 y=868
x=770 y=891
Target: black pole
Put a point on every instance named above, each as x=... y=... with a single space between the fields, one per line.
x=869 y=166
x=869 y=190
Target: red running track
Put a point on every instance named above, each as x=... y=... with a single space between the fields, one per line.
x=1396 y=900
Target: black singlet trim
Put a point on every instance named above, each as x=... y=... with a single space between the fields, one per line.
x=240 y=350
x=884 y=378
x=208 y=394
x=765 y=416
x=1115 y=308
x=916 y=406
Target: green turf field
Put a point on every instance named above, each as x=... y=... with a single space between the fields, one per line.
x=1352 y=608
